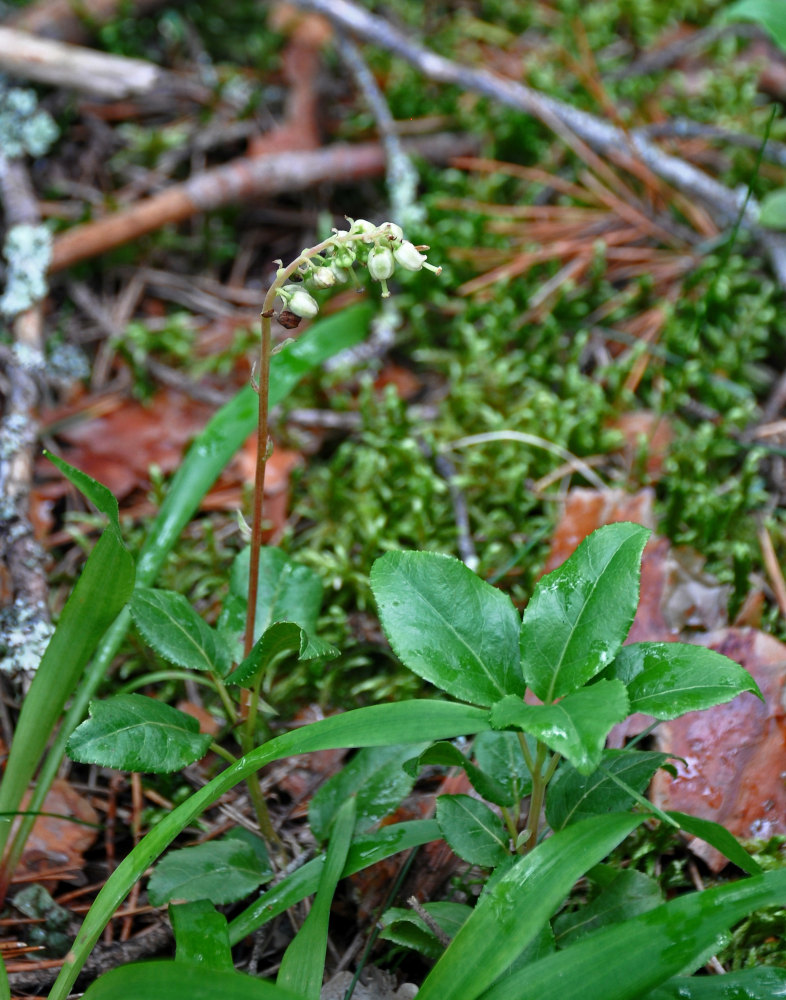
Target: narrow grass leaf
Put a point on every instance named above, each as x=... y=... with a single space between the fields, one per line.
x=182 y=981
x=221 y=870
x=515 y=909
x=644 y=951
x=201 y=935
x=718 y=836
x=472 y=830
x=579 y=615
x=176 y=632
x=133 y=733
x=449 y=626
x=765 y=983
x=303 y=965
x=572 y=796
x=576 y=726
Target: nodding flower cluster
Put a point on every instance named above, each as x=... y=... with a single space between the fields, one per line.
x=380 y=248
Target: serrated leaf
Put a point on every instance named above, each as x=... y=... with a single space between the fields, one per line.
x=220 y=870
x=406 y=928
x=668 y=679
x=472 y=830
x=448 y=626
x=377 y=778
x=572 y=796
x=447 y=755
x=579 y=615
x=176 y=632
x=288 y=591
x=576 y=726
x=630 y=893
x=278 y=639
x=499 y=756
x=201 y=935
x=133 y=733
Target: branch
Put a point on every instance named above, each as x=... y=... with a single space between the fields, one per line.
x=241 y=179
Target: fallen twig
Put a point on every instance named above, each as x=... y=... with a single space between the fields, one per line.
x=240 y=179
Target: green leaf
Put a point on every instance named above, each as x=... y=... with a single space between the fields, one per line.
x=499 y=756
x=406 y=928
x=181 y=981
x=768 y=14
x=377 y=778
x=447 y=755
x=630 y=893
x=572 y=796
x=303 y=965
x=277 y=640
x=366 y=850
x=448 y=626
x=472 y=830
x=579 y=615
x=288 y=592
x=133 y=733
x=99 y=595
x=718 y=836
x=223 y=871
x=765 y=983
x=176 y=632
x=575 y=727
x=513 y=911
x=667 y=679
x=201 y=935
x=644 y=951
x=772 y=209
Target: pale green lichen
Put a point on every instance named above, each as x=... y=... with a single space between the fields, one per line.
x=28 y=250
x=24 y=636
x=24 y=129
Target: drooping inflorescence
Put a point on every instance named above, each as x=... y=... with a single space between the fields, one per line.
x=379 y=248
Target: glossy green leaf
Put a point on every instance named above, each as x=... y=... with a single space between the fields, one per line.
x=176 y=632
x=629 y=893
x=220 y=870
x=377 y=725
x=576 y=726
x=448 y=626
x=406 y=928
x=644 y=951
x=579 y=615
x=499 y=756
x=133 y=733
x=572 y=796
x=201 y=935
x=472 y=830
x=768 y=14
x=366 y=850
x=448 y=755
x=764 y=983
x=667 y=679
x=303 y=965
x=376 y=777
x=277 y=640
x=99 y=595
x=288 y=592
x=718 y=836
x=513 y=911
x=181 y=981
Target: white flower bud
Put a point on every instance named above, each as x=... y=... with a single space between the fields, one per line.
x=323 y=277
x=380 y=263
x=392 y=232
x=299 y=301
x=358 y=226
x=408 y=257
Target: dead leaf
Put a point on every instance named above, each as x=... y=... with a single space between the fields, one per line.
x=645 y=432
x=732 y=769
x=56 y=842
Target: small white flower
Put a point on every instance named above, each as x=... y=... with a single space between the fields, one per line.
x=392 y=232
x=299 y=301
x=408 y=257
x=381 y=264
x=323 y=277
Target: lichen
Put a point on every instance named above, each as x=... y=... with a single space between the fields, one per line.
x=24 y=636
x=24 y=129
x=28 y=250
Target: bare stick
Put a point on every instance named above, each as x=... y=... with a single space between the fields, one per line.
x=240 y=179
